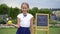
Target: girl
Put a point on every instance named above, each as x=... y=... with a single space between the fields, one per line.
x=25 y=20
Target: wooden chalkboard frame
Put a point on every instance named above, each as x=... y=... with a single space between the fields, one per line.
x=42 y=14
x=47 y=27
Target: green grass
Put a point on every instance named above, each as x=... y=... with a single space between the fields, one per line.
x=8 y=30
x=41 y=32
x=52 y=30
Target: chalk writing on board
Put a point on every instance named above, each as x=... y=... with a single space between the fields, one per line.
x=42 y=20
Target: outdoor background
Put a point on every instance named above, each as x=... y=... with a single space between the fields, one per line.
x=9 y=9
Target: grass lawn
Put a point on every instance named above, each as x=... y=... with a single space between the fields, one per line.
x=8 y=30
x=51 y=31
x=13 y=31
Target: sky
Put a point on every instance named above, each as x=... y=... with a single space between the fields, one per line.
x=33 y=3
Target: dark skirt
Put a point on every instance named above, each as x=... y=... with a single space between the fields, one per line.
x=23 y=30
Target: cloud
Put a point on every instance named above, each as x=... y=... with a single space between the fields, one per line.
x=33 y=3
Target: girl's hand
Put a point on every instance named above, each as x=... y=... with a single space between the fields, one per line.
x=15 y=25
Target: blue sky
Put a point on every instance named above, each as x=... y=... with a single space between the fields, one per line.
x=33 y=3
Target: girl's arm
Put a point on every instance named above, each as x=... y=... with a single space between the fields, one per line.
x=31 y=25
x=18 y=23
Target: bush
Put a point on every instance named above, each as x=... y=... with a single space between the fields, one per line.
x=14 y=21
x=1 y=20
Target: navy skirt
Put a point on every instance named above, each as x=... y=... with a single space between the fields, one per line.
x=23 y=30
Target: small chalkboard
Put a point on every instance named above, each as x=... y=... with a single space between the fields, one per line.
x=42 y=19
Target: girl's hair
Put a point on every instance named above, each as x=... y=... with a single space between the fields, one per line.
x=25 y=4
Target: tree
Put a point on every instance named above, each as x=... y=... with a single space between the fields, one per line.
x=47 y=11
x=4 y=9
x=34 y=10
x=14 y=12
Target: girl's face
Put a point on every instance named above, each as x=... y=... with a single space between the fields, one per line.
x=24 y=8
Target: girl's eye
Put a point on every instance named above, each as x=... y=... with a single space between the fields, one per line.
x=24 y=8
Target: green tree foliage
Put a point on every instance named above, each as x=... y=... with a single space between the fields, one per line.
x=33 y=11
x=4 y=9
x=47 y=11
x=13 y=12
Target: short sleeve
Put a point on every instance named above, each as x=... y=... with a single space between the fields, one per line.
x=18 y=16
x=31 y=16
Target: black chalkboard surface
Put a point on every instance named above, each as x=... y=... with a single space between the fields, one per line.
x=42 y=20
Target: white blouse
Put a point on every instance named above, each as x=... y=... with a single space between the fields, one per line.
x=25 y=21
